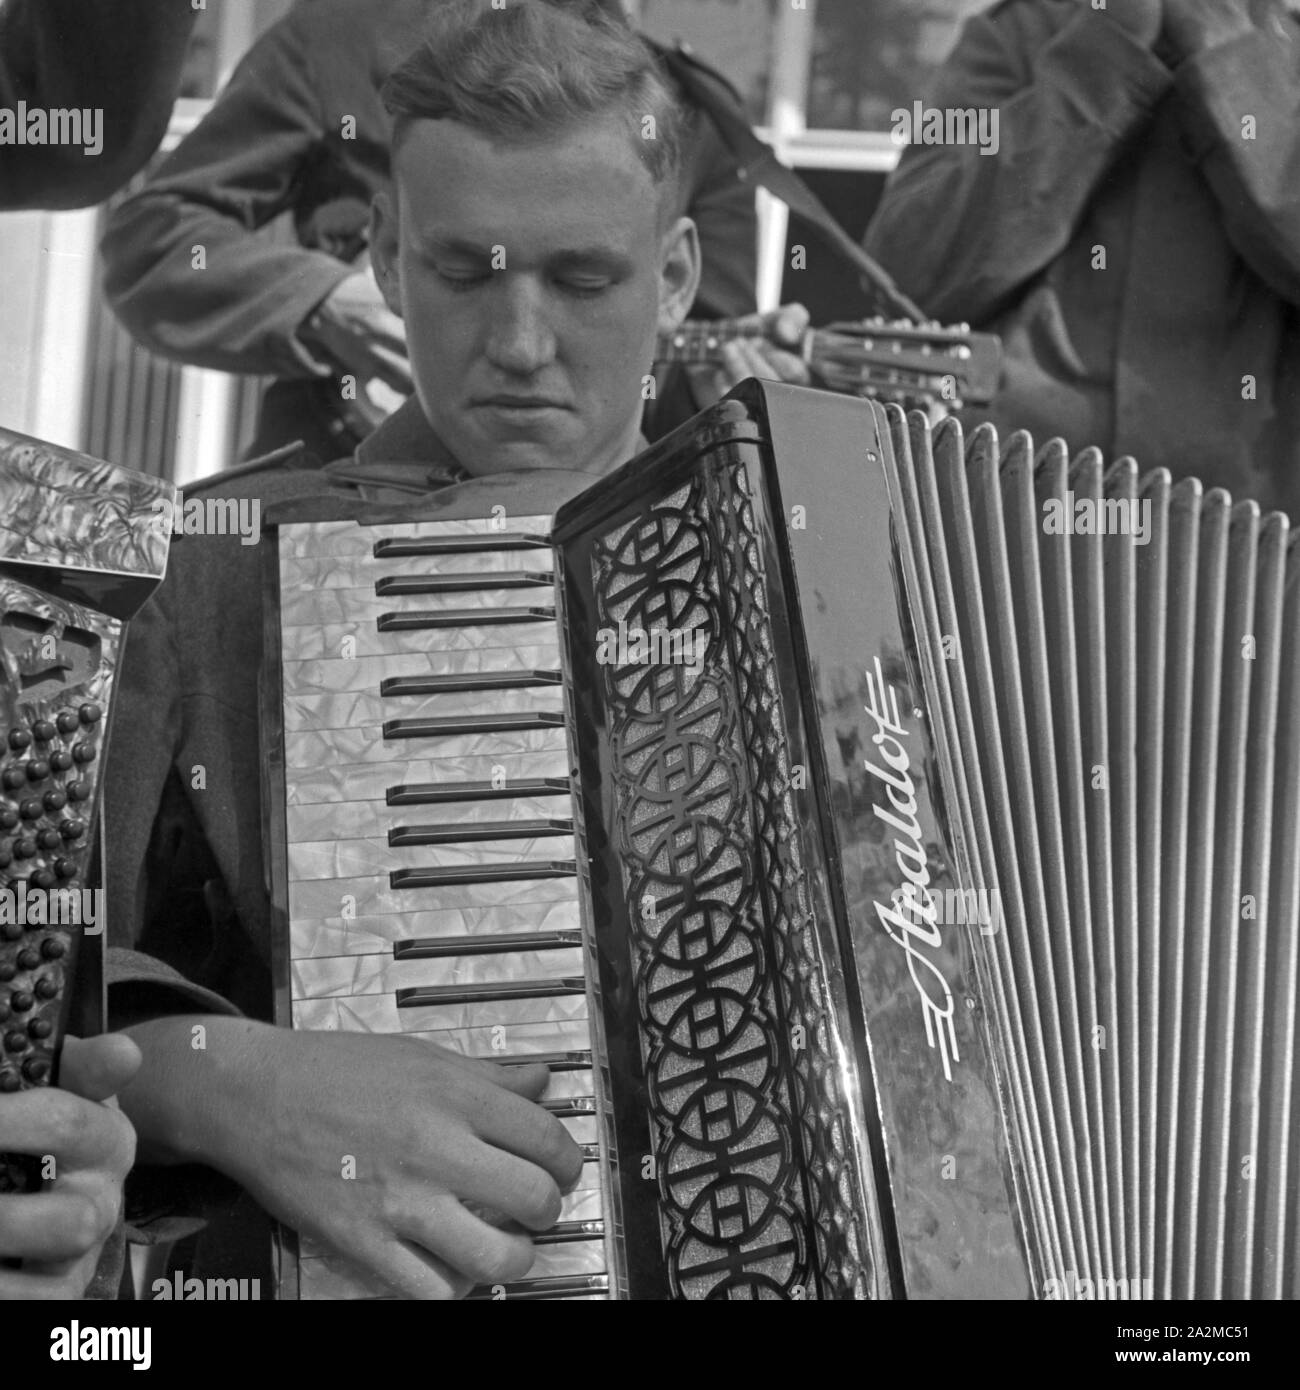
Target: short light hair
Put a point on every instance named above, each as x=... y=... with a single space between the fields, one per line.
x=535 y=68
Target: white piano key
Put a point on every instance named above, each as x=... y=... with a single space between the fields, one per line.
x=515 y=1039
x=378 y=1013
x=348 y=708
x=348 y=538
x=358 y=638
x=367 y=673
x=318 y=572
x=583 y=1129
x=363 y=607
x=316 y=749
x=370 y=781
x=343 y=976
x=576 y=1257
x=371 y=819
x=378 y=935
x=335 y=859
x=372 y=897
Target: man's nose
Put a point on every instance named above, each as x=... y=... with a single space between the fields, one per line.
x=520 y=340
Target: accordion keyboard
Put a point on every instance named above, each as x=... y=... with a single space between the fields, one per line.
x=429 y=827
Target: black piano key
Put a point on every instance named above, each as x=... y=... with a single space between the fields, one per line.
x=468 y=681
x=397 y=547
x=566 y=1232
x=570 y=1107
x=578 y=1060
x=424 y=619
x=482 y=873
x=438 y=793
x=463 y=583
x=470 y=831
x=530 y=1290
x=425 y=996
x=445 y=726
x=439 y=947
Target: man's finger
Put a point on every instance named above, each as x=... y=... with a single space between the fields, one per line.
x=78 y=1133
x=97 y=1068
x=480 y=1252
x=55 y=1226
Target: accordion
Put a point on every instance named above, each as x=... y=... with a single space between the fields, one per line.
x=82 y=545
x=889 y=839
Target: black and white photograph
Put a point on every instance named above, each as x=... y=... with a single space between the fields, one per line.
x=649 y=651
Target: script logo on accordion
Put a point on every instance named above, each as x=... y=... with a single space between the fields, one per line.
x=911 y=918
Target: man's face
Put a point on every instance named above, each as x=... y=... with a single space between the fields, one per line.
x=532 y=279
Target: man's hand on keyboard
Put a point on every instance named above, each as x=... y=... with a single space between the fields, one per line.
x=385 y=1149
x=60 y=1231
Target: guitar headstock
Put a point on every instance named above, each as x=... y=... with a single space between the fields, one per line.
x=906 y=362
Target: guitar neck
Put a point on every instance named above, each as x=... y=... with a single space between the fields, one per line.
x=703 y=342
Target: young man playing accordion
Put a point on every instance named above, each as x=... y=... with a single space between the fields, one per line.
x=533 y=244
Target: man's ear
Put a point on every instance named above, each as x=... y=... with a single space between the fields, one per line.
x=384 y=250
x=679 y=273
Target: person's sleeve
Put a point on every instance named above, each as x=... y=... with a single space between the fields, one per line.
x=119 y=57
x=722 y=206
x=142 y=840
x=1239 y=106
x=189 y=269
x=963 y=232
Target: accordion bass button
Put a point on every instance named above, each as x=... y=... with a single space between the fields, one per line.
x=42 y=878
x=78 y=791
x=38 y=770
x=90 y=714
x=21 y=1001
x=39 y=1029
x=43 y=731
x=53 y=949
x=83 y=752
x=15 y=1042
x=9 y=1082
x=11 y=931
x=13 y=778
x=19 y=739
x=61 y=761
x=68 y=722
x=8 y=818
x=46 y=988
x=55 y=801
x=36 y=1070
x=28 y=959
x=31 y=809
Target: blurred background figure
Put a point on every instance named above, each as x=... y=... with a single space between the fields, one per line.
x=121 y=60
x=300 y=129
x=1136 y=237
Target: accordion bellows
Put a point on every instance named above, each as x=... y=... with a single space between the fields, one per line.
x=1112 y=666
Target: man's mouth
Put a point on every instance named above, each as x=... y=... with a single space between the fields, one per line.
x=522 y=403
